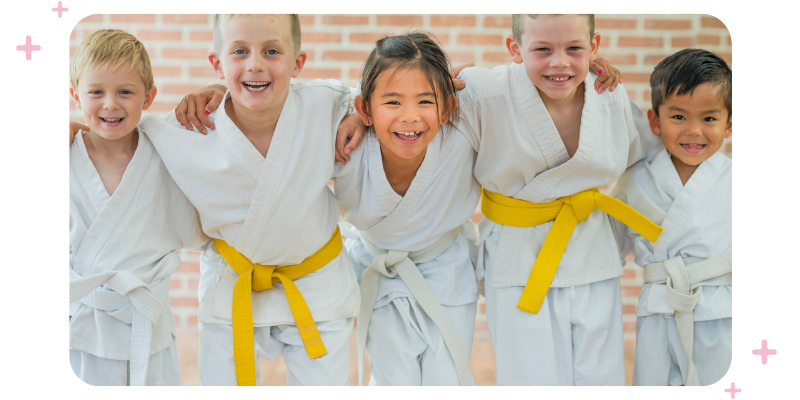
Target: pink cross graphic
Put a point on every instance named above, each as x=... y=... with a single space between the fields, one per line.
x=764 y=352
x=733 y=390
x=60 y=9
x=28 y=48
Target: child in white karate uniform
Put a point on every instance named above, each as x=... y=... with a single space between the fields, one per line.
x=127 y=219
x=545 y=142
x=683 y=325
x=259 y=183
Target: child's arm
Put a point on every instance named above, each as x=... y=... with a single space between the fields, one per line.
x=609 y=77
x=195 y=107
x=74 y=127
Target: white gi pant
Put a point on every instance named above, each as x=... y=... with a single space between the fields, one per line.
x=216 y=365
x=163 y=370
x=407 y=349
x=575 y=339
x=660 y=359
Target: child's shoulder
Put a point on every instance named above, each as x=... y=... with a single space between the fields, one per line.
x=321 y=85
x=618 y=96
x=483 y=82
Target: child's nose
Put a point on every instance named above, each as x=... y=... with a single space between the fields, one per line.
x=410 y=114
x=559 y=60
x=111 y=103
x=255 y=64
x=694 y=129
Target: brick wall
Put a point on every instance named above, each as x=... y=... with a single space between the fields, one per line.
x=337 y=46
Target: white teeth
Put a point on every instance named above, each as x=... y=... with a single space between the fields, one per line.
x=408 y=133
x=566 y=78
x=111 y=120
x=256 y=86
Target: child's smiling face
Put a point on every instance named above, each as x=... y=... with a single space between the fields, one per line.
x=556 y=51
x=112 y=100
x=257 y=61
x=693 y=126
x=403 y=110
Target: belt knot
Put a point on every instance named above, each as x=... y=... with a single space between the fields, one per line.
x=262 y=277
x=582 y=203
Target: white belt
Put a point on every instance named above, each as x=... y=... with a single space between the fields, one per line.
x=393 y=263
x=684 y=277
x=129 y=300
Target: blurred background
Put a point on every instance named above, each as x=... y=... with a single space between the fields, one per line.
x=337 y=46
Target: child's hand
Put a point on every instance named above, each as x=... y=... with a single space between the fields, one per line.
x=460 y=83
x=353 y=128
x=195 y=107
x=74 y=127
x=609 y=77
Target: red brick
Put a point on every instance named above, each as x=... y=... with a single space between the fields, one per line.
x=497 y=57
x=306 y=20
x=607 y=23
x=206 y=36
x=182 y=89
x=73 y=35
x=620 y=59
x=653 y=59
x=730 y=43
x=476 y=218
x=133 y=18
x=193 y=284
x=483 y=308
x=629 y=309
x=321 y=73
x=202 y=72
x=177 y=320
x=668 y=24
x=629 y=326
x=646 y=96
x=729 y=147
x=72 y=51
x=334 y=55
x=636 y=77
x=93 y=18
x=629 y=273
x=452 y=20
x=345 y=19
x=186 y=18
x=461 y=57
x=87 y=32
x=185 y=53
x=441 y=38
x=159 y=71
x=189 y=266
x=310 y=55
x=400 y=20
x=497 y=21
x=354 y=73
x=708 y=39
x=711 y=22
x=640 y=41
x=683 y=42
x=367 y=37
x=162 y=106
x=481 y=326
x=728 y=57
x=184 y=302
x=321 y=37
x=174 y=283
x=159 y=35
x=191 y=321
x=480 y=39
x=631 y=290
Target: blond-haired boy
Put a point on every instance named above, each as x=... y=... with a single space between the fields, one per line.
x=259 y=182
x=127 y=219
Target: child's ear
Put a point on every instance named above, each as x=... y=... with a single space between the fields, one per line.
x=728 y=130
x=74 y=94
x=514 y=49
x=149 y=97
x=595 y=45
x=654 y=125
x=447 y=112
x=216 y=64
x=299 y=62
x=362 y=110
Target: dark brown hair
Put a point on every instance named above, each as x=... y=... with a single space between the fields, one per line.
x=416 y=49
x=681 y=73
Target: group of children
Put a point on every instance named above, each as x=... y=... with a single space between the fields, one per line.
x=531 y=141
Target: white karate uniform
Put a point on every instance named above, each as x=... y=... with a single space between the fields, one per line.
x=405 y=346
x=576 y=338
x=274 y=211
x=122 y=253
x=696 y=222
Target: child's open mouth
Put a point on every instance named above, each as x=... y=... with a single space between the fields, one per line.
x=255 y=86
x=559 y=78
x=408 y=136
x=693 y=147
x=111 y=121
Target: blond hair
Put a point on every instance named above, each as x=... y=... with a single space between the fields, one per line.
x=111 y=47
x=294 y=28
x=518 y=25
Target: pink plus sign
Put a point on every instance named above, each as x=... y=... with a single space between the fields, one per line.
x=60 y=9
x=764 y=352
x=28 y=48
x=733 y=390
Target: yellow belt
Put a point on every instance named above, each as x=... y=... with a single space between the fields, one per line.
x=261 y=277
x=567 y=212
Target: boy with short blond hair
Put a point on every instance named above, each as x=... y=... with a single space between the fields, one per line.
x=546 y=140
x=683 y=324
x=275 y=282
x=127 y=219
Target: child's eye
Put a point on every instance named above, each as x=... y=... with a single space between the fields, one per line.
x=573 y=48
x=541 y=49
x=96 y=92
x=425 y=102
x=709 y=119
x=394 y=103
x=125 y=91
x=272 y=52
x=238 y=51
x=678 y=117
